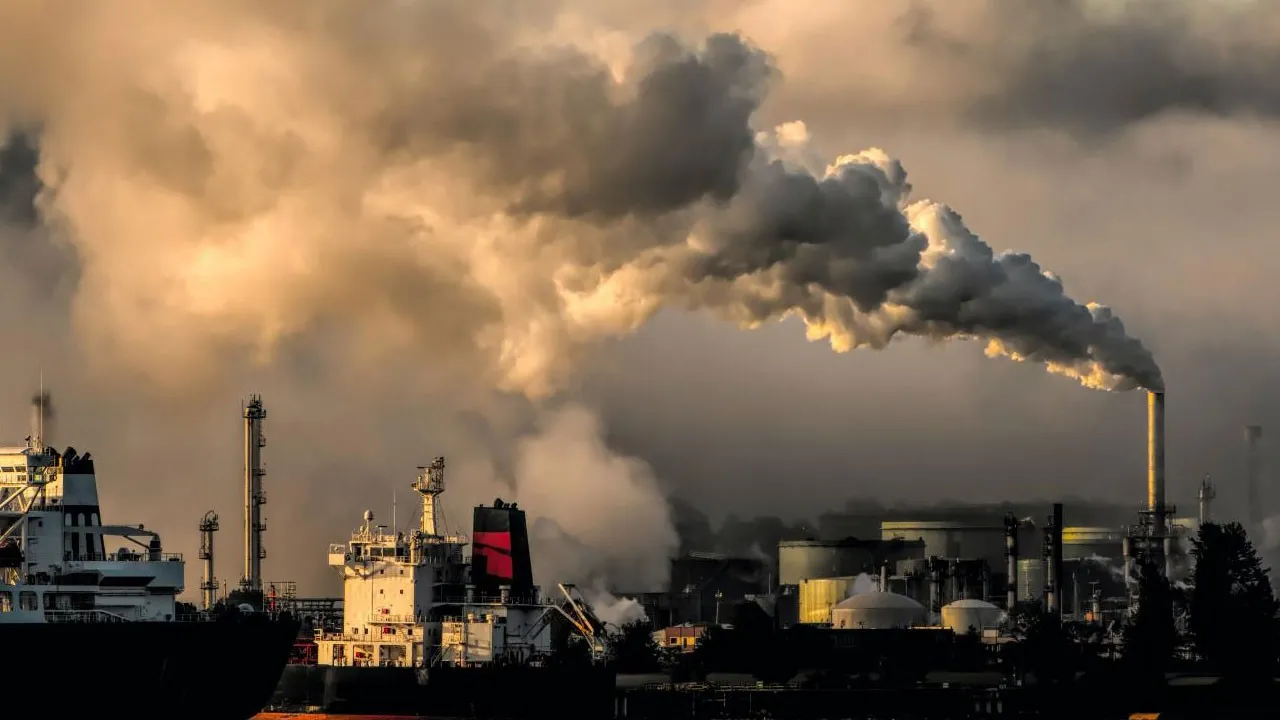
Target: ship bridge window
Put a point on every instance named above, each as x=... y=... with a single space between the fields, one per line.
x=7 y=468
x=27 y=601
x=6 y=601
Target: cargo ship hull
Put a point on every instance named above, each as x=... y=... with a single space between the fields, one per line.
x=512 y=691
x=207 y=670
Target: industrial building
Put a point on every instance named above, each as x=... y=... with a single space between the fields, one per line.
x=800 y=560
x=950 y=539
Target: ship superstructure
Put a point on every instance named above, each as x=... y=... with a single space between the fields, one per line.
x=74 y=589
x=414 y=600
x=54 y=565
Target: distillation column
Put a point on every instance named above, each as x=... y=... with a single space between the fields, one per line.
x=208 y=582
x=1011 y=555
x=254 y=497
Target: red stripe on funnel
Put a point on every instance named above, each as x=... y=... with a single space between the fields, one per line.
x=494 y=540
x=495 y=548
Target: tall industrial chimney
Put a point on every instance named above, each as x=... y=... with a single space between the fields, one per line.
x=208 y=582
x=1205 y=497
x=1053 y=561
x=1253 y=466
x=254 y=497
x=1155 y=462
x=1011 y=556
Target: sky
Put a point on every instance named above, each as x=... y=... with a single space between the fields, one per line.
x=573 y=247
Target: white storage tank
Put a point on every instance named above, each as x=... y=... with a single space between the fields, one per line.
x=877 y=611
x=961 y=615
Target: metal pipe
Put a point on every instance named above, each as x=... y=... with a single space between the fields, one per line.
x=884 y=578
x=1155 y=461
x=1127 y=547
x=1169 y=567
x=208 y=582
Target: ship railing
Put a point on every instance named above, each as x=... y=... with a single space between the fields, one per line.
x=122 y=557
x=486 y=599
x=82 y=616
x=394 y=620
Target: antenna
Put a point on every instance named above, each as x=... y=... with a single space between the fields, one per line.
x=40 y=426
x=393 y=509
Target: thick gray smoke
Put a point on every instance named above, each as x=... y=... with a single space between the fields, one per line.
x=547 y=197
x=488 y=192
x=1087 y=67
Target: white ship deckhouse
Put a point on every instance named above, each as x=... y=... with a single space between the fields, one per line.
x=414 y=600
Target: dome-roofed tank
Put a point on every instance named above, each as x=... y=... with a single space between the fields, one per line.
x=961 y=615
x=877 y=611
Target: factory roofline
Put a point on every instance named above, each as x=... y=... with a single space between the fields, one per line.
x=938 y=525
x=849 y=542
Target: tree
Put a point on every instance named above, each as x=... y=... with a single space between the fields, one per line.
x=1044 y=646
x=633 y=650
x=1151 y=637
x=1233 y=608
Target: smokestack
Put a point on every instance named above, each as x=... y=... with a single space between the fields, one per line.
x=1053 y=561
x=254 y=497
x=1155 y=462
x=1011 y=556
x=1253 y=465
x=1206 y=496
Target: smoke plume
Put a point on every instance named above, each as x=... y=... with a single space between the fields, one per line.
x=596 y=516
x=43 y=417
x=297 y=175
x=332 y=187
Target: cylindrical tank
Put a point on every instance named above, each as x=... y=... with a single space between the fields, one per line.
x=819 y=595
x=1031 y=579
x=1092 y=542
x=950 y=539
x=800 y=560
x=977 y=614
x=877 y=611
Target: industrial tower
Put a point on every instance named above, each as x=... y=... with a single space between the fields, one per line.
x=254 y=496
x=208 y=582
x=1205 y=497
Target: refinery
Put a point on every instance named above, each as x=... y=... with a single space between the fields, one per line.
x=942 y=602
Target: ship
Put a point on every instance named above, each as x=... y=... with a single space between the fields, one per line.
x=428 y=631
x=108 y=623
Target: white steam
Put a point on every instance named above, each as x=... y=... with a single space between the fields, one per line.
x=594 y=514
x=613 y=610
x=863 y=583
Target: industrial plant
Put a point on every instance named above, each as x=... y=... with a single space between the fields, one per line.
x=895 y=605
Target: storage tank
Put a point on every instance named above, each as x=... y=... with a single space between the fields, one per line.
x=877 y=611
x=1088 y=542
x=800 y=560
x=1031 y=579
x=951 y=539
x=977 y=614
x=819 y=595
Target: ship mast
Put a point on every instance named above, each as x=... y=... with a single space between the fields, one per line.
x=430 y=484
